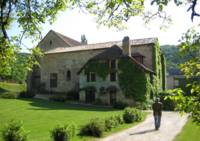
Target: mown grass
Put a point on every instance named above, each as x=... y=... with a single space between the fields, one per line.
x=11 y=87
x=190 y=132
x=40 y=117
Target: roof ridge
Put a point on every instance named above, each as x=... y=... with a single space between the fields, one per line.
x=66 y=37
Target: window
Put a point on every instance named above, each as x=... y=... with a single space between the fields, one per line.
x=53 y=80
x=68 y=75
x=113 y=76
x=50 y=42
x=91 y=77
x=113 y=64
x=139 y=59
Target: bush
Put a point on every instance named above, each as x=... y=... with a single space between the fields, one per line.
x=14 y=132
x=63 y=133
x=110 y=123
x=28 y=94
x=120 y=119
x=120 y=105
x=167 y=103
x=131 y=115
x=59 y=98
x=8 y=95
x=144 y=105
x=94 y=128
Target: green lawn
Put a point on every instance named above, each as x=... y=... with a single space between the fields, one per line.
x=40 y=116
x=190 y=132
x=11 y=87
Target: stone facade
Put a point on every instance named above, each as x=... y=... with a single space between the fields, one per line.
x=63 y=56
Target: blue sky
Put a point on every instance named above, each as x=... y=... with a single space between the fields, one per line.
x=74 y=23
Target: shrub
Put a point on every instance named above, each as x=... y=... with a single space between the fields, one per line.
x=63 y=133
x=26 y=94
x=59 y=98
x=94 y=128
x=144 y=105
x=167 y=103
x=120 y=105
x=110 y=123
x=8 y=95
x=14 y=132
x=120 y=119
x=131 y=115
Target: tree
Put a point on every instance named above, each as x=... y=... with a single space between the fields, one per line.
x=83 y=39
x=190 y=102
x=31 y=14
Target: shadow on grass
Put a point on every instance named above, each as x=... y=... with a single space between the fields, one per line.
x=39 y=104
x=3 y=90
x=143 y=132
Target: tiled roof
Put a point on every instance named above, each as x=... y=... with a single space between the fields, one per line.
x=115 y=52
x=101 y=45
x=71 y=42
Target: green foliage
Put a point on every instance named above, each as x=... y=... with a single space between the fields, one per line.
x=190 y=43
x=25 y=94
x=8 y=95
x=163 y=68
x=120 y=105
x=94 y=128
x=168 y=104
x=99 y=67
x=63 y=133
x=129 y=74
x=132 y=115
x=157 y=67
x=14 y=131
x=112 y=122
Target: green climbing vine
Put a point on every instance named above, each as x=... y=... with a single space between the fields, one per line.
x=163 y=63
x=101 y=68
x=158 y=68
x=134 y=82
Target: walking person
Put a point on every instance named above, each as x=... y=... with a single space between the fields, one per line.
x=157 y=112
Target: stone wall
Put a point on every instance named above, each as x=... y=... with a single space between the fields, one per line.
x=145 y=50
x=51 y=41
x=60 y=63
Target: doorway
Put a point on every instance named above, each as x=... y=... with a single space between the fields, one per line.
x=90 y=96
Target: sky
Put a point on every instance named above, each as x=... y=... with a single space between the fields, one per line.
x=75 y=23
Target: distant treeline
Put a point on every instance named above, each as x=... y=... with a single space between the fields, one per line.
x=173 y=58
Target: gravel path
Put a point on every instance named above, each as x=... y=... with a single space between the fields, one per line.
x=171 y=125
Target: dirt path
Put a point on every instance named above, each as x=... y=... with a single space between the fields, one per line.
x=171 y=125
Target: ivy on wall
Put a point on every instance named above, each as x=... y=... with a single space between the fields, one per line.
x=159 y=78
x=163 y=63
x=101 y=68
x=134 y=82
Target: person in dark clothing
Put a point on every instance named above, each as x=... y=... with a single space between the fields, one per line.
x=157 y=113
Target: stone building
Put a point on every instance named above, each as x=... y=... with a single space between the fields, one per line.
x=66 y=69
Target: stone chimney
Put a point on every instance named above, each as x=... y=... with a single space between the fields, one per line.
x=126 y=46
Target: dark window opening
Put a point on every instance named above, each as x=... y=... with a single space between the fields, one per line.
x=88 y=77
x=113 y=76
x=93 y=77
x=68 y=75
x=50 y=42
x=113 y=64
x=53 y=80
x=139 y=59
x=90 y=96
